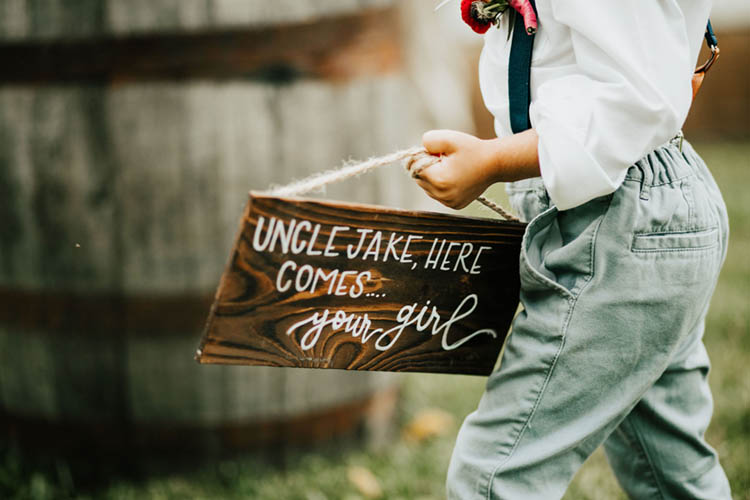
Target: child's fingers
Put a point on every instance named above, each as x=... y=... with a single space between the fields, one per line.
x=418 y=166
x=439 y=142
x=419 y=170
x=446 y=198
x=435 y=194
x=426 y=187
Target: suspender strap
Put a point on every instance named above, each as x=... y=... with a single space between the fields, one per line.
x=711 y=40
x=519 y=73
x=713 y=45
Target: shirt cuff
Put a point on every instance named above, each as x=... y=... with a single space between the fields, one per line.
x=570 y=174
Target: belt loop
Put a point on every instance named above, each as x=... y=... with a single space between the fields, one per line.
x=678 y=139
x=647 y=171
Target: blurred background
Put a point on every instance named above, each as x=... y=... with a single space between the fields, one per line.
x=130 y=134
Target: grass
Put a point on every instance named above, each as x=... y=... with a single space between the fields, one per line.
x=411 y=470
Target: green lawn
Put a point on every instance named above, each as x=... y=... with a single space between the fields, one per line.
x=409 y=470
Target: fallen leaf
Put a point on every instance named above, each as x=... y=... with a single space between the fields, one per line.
x=365 y=481
x=429 y=423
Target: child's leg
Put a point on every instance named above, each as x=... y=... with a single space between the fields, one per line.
x=658 y=451
x=611 y=290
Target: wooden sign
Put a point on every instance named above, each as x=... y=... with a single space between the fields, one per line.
x=332 y=285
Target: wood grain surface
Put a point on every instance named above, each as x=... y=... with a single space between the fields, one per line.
x=269 y=311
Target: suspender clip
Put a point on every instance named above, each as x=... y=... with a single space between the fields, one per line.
x=678 y=139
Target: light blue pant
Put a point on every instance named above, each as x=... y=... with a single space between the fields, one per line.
x=608 y=346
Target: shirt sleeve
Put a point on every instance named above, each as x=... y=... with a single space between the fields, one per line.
x=631 y=93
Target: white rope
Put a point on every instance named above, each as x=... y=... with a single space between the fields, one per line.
x=498 y=209
x=317 y=181
x=411 y=155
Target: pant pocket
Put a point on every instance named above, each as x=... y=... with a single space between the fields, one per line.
x=540 y=234
x=676 y=241
x=558 y=248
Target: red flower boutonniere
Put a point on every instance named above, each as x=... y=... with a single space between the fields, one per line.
x=481 y=14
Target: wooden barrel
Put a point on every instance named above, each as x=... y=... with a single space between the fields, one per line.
x=130 y=133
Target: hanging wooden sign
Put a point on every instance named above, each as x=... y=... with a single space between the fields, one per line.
x=333 y=285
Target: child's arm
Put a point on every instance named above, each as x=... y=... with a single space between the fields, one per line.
x=470 y=165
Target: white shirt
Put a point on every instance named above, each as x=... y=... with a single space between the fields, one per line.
x=610 y=82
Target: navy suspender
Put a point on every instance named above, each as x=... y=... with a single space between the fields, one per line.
x=519 y=73
x=711 y=40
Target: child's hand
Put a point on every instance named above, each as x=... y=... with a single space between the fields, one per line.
x=469 y=165
x=461 y=175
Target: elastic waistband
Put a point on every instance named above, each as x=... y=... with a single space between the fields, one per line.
x=670 y=162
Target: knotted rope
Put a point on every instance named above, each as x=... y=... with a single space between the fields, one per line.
x=416 y=158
